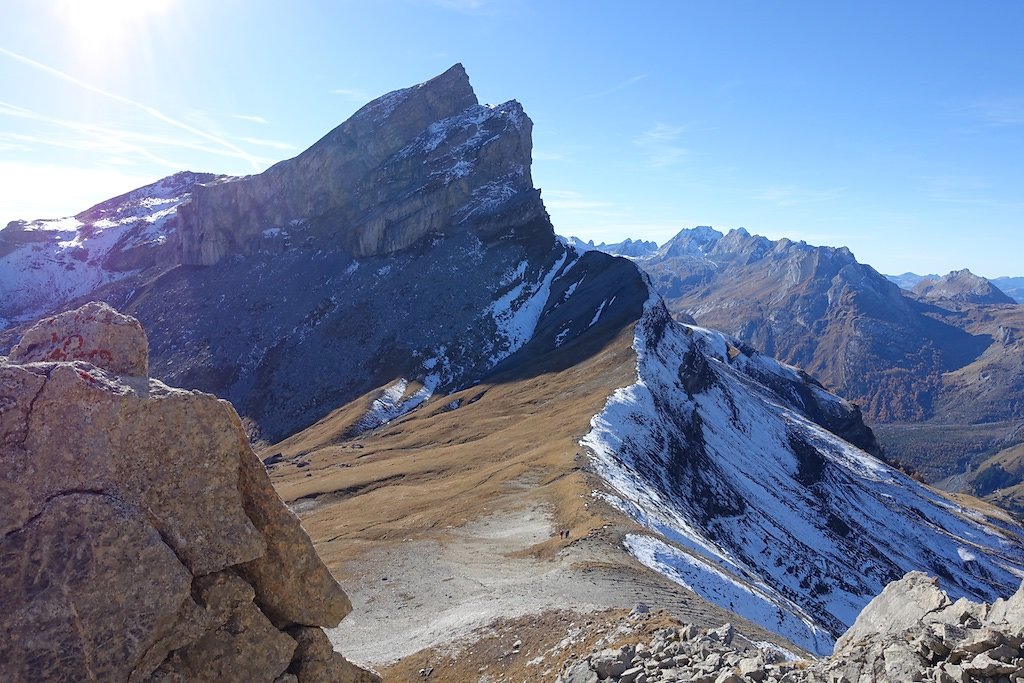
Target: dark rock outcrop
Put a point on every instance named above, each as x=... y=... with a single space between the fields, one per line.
x=142 y=540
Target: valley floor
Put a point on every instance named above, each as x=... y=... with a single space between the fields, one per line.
x=447 y=593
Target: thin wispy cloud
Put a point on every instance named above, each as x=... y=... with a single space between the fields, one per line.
x=91 y=137
x=998 y=112
x=569 y=201
x=792 y=195
x=250 y=118
x=151 y=111
x=8 y=146
x=273 y=144
x=661 y=144
x=351 y=94
x=613 y=89
x=547 y=155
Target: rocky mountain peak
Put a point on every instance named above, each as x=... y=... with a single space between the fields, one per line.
x=962 y=286
x=425 y=159
x=691 y=241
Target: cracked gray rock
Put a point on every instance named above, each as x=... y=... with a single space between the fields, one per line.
x=142 y=540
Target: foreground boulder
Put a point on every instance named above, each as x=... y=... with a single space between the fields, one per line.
x=911 y=632
x=142 y=540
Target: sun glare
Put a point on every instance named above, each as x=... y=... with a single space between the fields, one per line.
x=100 y=27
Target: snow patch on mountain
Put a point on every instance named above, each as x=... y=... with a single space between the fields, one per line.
x=44 y=263
x=517 y=312
x=394 y=402
x=703 y=578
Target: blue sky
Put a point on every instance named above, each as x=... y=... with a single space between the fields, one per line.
x=896 y=129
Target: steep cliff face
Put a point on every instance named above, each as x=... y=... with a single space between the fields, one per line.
x=421 y=160
x=341 y=258
x=142 y=540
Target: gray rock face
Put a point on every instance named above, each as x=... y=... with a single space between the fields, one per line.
x=142 y=540
x=898 y=607
x=424 y=159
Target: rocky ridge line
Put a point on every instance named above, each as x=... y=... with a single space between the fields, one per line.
x=421 y=160
x=142 y=539
x=912 y=631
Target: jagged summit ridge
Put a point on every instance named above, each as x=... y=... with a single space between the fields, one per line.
x=759 y=492
x=628 y=247
x=425 y=159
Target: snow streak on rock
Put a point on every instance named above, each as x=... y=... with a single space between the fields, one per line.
x=763 y=511
x=517 y=312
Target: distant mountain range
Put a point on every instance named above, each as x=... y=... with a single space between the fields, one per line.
x=1011 y=286
x=628 y=247
x=1014 y=286
x=946 y=357
x=392 y=313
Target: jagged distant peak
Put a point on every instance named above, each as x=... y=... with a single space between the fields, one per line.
x=628 y=247
x=1013 y=286
x=704 y=242
x=909 y=280
x=962 y=286
x=691 y=241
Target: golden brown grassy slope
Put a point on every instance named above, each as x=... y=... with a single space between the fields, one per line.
x=436 y=467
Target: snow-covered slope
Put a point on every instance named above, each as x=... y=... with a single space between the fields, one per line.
x=46 y=263
x=756 y=507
